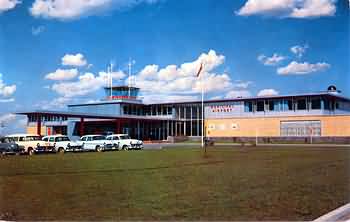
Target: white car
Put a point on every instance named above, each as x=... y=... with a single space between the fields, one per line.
x=124 y=142
x=31 y=143
x=61 y=143
x=97 y=143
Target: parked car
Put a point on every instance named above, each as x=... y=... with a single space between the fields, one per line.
x=8 y=145
x=61 y=143
x=124 y=142
x=31 y=143
x=96 y=142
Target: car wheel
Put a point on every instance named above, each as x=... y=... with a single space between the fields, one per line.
x=31 y=151
x=98 y=149
x=61 y=150
x=125 y=147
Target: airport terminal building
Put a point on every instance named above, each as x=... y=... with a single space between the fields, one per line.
x=317 y=116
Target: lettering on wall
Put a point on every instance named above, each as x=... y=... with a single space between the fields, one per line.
x=222 y=109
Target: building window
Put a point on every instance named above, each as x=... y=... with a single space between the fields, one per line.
x=287 y=105
x=301 y=104
x=260 y=106
x=300 y=128
x=248 y=106
x=316 y=104
x=275 y=105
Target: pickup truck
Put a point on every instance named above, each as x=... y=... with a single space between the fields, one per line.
x=124 y=142
x=31 y=143
x=61 y=144
x=96 y=143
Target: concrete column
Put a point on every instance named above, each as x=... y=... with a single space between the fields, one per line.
x=167 y=129
x=138 y=129
x=175 y=128
x=38 y=125
x=191 y=121
x=81 y=127
x=198 y=121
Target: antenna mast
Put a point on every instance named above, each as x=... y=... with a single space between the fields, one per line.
x=111 y=77
x=129 y=79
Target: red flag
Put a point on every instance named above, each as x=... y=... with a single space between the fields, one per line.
x=200 y=70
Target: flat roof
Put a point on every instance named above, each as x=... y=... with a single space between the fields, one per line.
x=139 y=102
x=91 y=116
x=328 y=94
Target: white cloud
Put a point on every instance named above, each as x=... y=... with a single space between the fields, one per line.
x=238 y=94
x=73 y=9
x=7 y=117
x=171 y=83
x=117 y=75
x=314 y=8
x=289 y=8
x=299 y=50
x=271 y=61
x=6 y=90
x=11 y=123
x=182 y=79
x=156 y=98
x=216 y=98
x=56 y=103
x=6 y=5
x=37 y=30
x=295 y=68
x=62 y=74
x=85 y=84
x=10 y=100
x=268 y=92
x=74 y=60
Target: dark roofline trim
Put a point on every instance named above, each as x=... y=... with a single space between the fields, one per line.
x=87 y=116
x=222 y=100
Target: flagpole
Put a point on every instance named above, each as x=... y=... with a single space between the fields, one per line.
x=202 y=89
x=202 y=110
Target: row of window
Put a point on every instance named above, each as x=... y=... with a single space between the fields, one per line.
x=289 y=105
x=300 y=128
x=47 y=118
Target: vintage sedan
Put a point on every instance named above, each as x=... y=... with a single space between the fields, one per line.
x=8 y=146
x=31 y=143
x=96 y=143
x=124 y=142
x=61 y=144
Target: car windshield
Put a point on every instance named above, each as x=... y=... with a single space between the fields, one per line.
x=33 y=138
x=63 y=138
x=98 y=138
x=124 y=137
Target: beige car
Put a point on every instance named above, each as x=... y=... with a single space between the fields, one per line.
x=30 y=143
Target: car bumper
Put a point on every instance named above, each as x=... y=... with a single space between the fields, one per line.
x=75 y=149
x=13 y=151
x=136 y=146
x=110 y=147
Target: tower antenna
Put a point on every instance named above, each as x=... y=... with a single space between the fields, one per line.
x=129 y=79
x=111 y=77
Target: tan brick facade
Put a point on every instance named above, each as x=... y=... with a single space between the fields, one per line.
x=270 y=126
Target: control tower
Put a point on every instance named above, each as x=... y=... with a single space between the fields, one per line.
x=121 y=93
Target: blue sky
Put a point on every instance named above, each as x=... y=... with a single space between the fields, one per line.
x=245 y=45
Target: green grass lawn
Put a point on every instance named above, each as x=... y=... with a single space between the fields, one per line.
x=174 y=184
